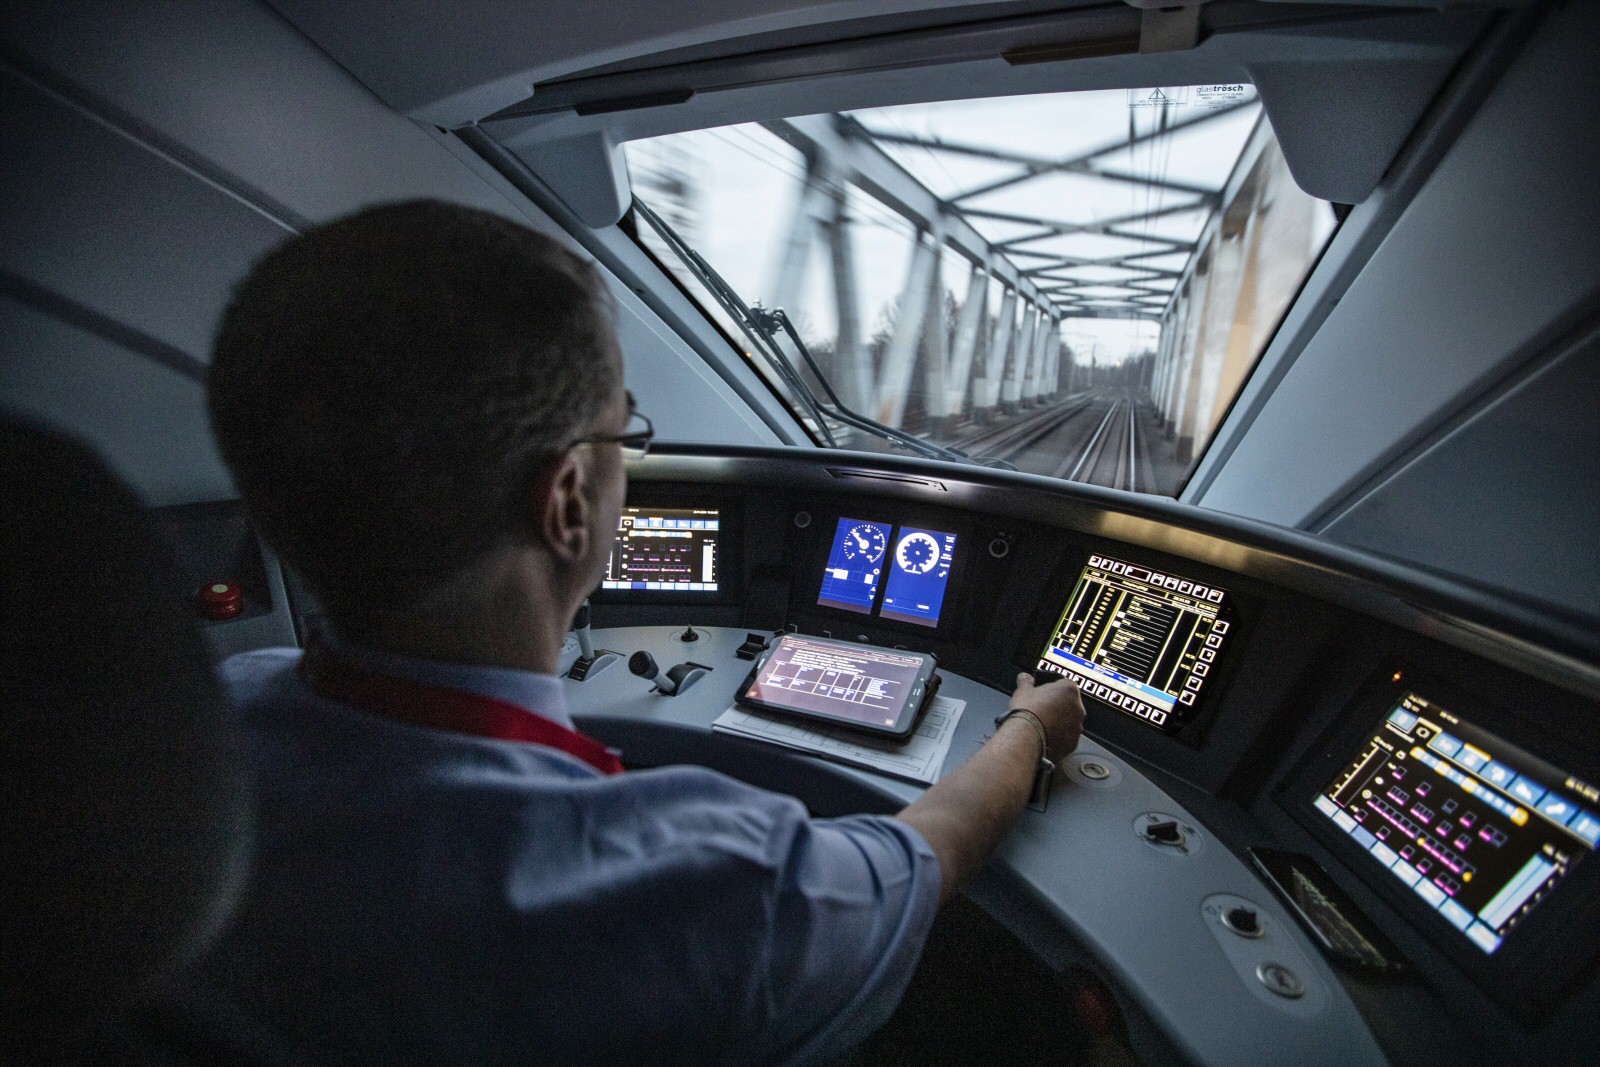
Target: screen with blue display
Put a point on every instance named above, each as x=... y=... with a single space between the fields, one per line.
x=855 y=565
x=918 y=574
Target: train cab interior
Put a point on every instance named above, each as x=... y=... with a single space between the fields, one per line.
x=1238 y=359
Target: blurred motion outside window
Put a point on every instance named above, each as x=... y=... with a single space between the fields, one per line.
x=1075 y=285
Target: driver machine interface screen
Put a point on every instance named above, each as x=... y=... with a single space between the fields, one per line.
x=1143 y=641
x=665 y=549
x=1480 y=830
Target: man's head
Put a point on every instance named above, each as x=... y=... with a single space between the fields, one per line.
x=399 y=394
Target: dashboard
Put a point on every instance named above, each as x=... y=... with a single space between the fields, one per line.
x=1425 y=756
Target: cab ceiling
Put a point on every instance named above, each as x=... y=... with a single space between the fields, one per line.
x=562 y=85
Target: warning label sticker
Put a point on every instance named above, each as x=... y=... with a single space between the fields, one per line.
x=1205 y=96
x=1159 y=98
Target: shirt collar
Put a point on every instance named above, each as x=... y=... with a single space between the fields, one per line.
x=540 y=694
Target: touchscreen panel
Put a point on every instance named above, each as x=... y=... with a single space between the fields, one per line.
x=855 y=564
x=665 y=549
x=1138 y=639
x=1482 y=831
x=866 y=685
x=918 y=574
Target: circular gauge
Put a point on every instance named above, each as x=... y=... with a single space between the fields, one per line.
x=918 y=553
x=864 y=541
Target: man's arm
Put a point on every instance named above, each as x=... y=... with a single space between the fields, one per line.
x=966 y=814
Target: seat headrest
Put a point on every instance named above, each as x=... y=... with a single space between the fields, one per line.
x=126 y=804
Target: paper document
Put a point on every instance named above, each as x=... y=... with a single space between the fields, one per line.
x=920 y=758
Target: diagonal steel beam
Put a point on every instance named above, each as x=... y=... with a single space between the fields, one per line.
x=1100 y=226
x=856 y=160
x=1047 y=162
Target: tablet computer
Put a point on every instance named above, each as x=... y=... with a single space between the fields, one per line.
x=862 y=687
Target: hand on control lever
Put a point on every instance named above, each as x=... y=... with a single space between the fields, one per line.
x=1059 y=708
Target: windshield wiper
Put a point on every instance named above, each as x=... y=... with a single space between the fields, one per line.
x=762 y=326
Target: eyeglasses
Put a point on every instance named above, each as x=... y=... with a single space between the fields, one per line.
x=635 y=438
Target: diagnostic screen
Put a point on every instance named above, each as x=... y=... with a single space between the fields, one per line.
x=665 y=549
x=1480 y=830
x=1140 y=640
x=918 y=574
x=861 y=684
x=855 y=564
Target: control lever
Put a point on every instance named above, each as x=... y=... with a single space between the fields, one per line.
x=754 y=645
x=590 y=661
x=675 y=681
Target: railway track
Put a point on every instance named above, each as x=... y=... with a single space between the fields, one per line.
x=1088 y=437
x=1114 y=456
x=1011 y=440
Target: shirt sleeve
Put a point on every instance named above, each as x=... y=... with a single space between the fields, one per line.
x=852 y=908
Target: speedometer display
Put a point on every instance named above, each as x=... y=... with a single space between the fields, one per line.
x=917 y=580
x=855 y=566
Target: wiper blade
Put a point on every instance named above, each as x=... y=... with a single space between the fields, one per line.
x=772 y=320
x=739 y=312
x=762 y=326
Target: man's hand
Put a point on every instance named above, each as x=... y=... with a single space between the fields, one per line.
x=966 y=814
x=1059 y=708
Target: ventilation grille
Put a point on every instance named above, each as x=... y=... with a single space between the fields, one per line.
x=882 y=476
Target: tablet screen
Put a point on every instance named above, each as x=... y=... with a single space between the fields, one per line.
x=855 y=683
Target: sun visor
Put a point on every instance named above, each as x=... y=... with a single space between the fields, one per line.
x=1336 y=123
x=589 y=174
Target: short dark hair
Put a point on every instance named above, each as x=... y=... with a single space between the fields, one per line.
x=384 y=387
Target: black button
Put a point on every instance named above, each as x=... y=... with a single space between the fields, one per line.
x=1164 y=833
x=1244 y=920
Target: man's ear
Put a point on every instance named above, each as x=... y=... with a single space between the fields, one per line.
x=560 y=507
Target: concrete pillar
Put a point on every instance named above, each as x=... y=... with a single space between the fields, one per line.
x=1222 y=301
x=999 y=349
x=1185 y=386
x=853 y=373
x=1053 y=355
x=899 y=361
x=1178 y=353
x=935 y=342
x=1030 y=368
x=965 y=347
x=811 y=210
x=1034 y=386
x=1020 y=352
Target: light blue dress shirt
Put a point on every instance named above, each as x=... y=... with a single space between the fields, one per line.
x=425 y=896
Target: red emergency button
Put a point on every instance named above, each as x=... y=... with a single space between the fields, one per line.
x=220 y=601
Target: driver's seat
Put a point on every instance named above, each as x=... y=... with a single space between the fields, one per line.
x=126 y=808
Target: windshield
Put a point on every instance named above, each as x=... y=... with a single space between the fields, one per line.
x=1076 y=285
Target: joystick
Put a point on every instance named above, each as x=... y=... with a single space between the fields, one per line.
x=590 y=660
x=689 y=634
x=674 y=681
x=644 y=665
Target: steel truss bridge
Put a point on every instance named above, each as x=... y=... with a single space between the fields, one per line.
x=997 y=382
